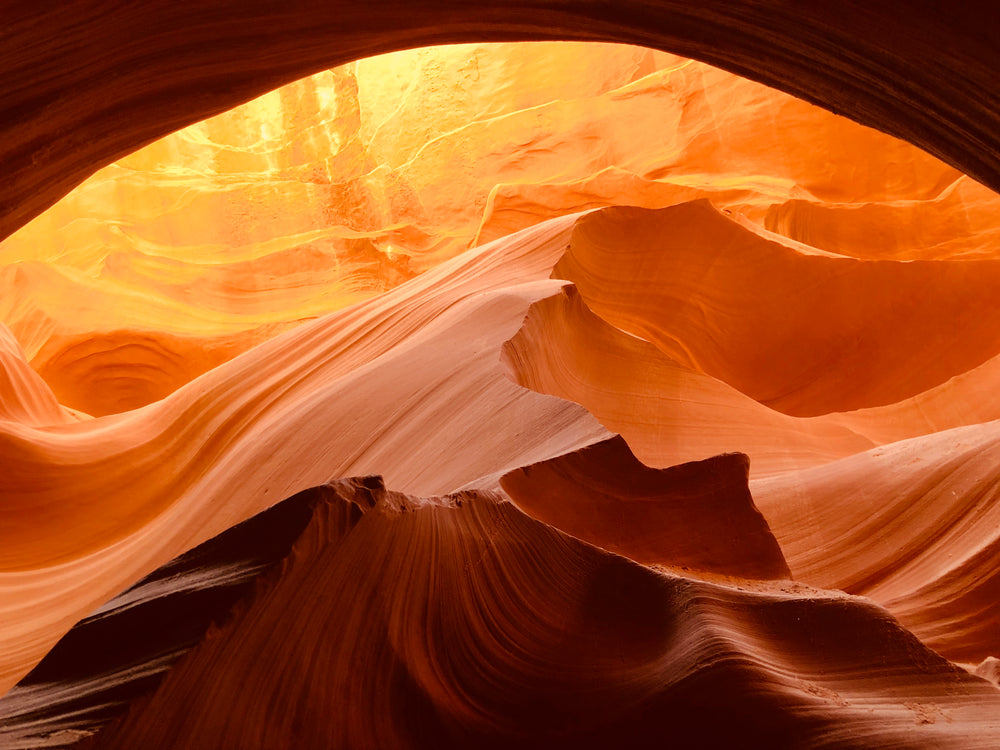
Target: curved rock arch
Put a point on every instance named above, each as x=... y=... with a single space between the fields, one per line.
x=82 y=84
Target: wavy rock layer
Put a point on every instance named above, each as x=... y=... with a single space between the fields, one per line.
x=454 y=640
x=668 y=413
x=422 y=384
x=698 y=515
x=457 y=620
x=779 y=322
x=409 y=384
x=340 y=186
x=123 y=650
x=368 y=389
x=24 y=396
x=913 y=526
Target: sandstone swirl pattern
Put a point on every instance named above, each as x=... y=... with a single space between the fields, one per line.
x=457 y=399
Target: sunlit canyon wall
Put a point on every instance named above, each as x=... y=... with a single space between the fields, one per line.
x=681 y=392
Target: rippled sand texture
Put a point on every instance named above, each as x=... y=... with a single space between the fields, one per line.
x=567 y=396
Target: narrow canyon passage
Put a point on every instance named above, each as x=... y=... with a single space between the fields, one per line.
x=493 y=395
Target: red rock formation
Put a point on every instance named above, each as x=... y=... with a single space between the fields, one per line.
x=912 y=525
x=697 y=515
x=335 y=188
x=24 y=396
x=960 y=222
x=668 y=413
x=122 y=650
x=823 y=304
x=425 y=622
x=257 y=427
x=409 y=384
x=779 y=322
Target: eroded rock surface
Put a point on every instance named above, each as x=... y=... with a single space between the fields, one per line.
x=684 y=391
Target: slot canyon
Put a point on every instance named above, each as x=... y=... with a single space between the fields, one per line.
x=539 y=375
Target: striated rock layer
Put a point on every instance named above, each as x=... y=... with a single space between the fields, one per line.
x=425 y=384
x=912 y=525
x=453 y=639
x=338 y=187
x=409 y=384
x=122 y=650
x=703 y=289
x=697 y=515
x=633 y=342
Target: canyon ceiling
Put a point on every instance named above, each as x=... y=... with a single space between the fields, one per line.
x=84 y=84
x=499 y=394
